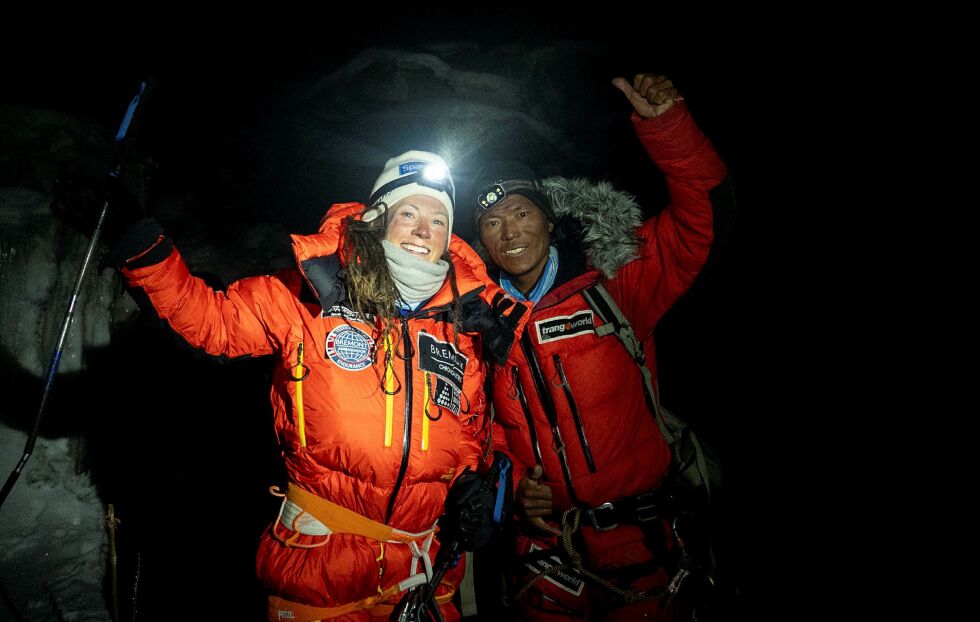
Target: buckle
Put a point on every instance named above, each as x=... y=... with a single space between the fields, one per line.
x=647 y=507
x=595 y=511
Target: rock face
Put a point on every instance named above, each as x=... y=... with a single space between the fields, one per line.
x=40 y=259
x=53 y=520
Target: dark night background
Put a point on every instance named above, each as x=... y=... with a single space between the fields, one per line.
x=270 y=125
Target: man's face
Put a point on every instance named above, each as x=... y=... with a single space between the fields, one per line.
x=419 y=224
x=516 y=234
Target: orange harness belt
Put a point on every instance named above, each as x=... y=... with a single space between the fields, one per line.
x=282 y=609
x=338 y=519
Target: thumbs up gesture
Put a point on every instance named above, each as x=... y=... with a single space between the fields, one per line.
x=533 y=500
x=651 y=95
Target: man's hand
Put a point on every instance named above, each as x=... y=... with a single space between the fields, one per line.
x=534 y=501
x=650 y=95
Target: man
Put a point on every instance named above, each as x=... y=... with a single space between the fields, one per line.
x=571 y=406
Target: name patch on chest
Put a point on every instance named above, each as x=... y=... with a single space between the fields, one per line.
x=347 y=314
x=350 y=348
x=442 y=359
x=565 y=326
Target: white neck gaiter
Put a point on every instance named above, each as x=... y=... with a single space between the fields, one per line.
x=416 y=279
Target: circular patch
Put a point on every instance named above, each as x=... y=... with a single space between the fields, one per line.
x=349 y=347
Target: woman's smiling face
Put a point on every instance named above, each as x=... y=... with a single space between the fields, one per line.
x=419 y=224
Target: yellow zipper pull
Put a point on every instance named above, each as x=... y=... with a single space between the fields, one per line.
x=425 y=418
x=389 y=379
x=299 y=396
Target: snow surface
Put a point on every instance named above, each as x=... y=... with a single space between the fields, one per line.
x=53 y=544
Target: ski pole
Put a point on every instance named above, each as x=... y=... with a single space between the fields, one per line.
x=111 y=524
x=123 y=141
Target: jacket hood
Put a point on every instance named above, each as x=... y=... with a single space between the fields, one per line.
x=600 y=219
x=318 y=259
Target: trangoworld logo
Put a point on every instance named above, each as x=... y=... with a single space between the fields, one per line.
x=565 y=326
x=569 y=580
x=448 y=365
x=350 y=348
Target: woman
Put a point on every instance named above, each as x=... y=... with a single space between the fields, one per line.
x=378 y=397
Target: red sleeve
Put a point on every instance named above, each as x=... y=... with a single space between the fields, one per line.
x=674 y=244
x=240 y=322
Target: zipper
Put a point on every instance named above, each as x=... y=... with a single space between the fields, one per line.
x=548 y=405
x=575 y=414
x=407 y=437
x=527 y=414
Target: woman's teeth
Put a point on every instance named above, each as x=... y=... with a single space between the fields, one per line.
x=418 y=250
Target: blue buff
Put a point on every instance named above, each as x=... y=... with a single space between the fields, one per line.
x=545 y=281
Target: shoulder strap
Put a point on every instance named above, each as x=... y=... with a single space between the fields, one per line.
x=615 y=322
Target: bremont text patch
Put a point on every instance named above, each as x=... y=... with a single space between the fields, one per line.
x=443 y=359
x=448 y=365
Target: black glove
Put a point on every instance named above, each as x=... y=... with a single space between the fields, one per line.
x=497 y=328
x=78 y=201
x=138 y=246
x=475 y=508
x=469 y=513
x=125 y=231
x=473 y=511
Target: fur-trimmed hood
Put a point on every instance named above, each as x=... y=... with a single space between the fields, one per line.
x=603 y=219
x=592 y=218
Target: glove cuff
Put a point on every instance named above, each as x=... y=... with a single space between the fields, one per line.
x=143 y=244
